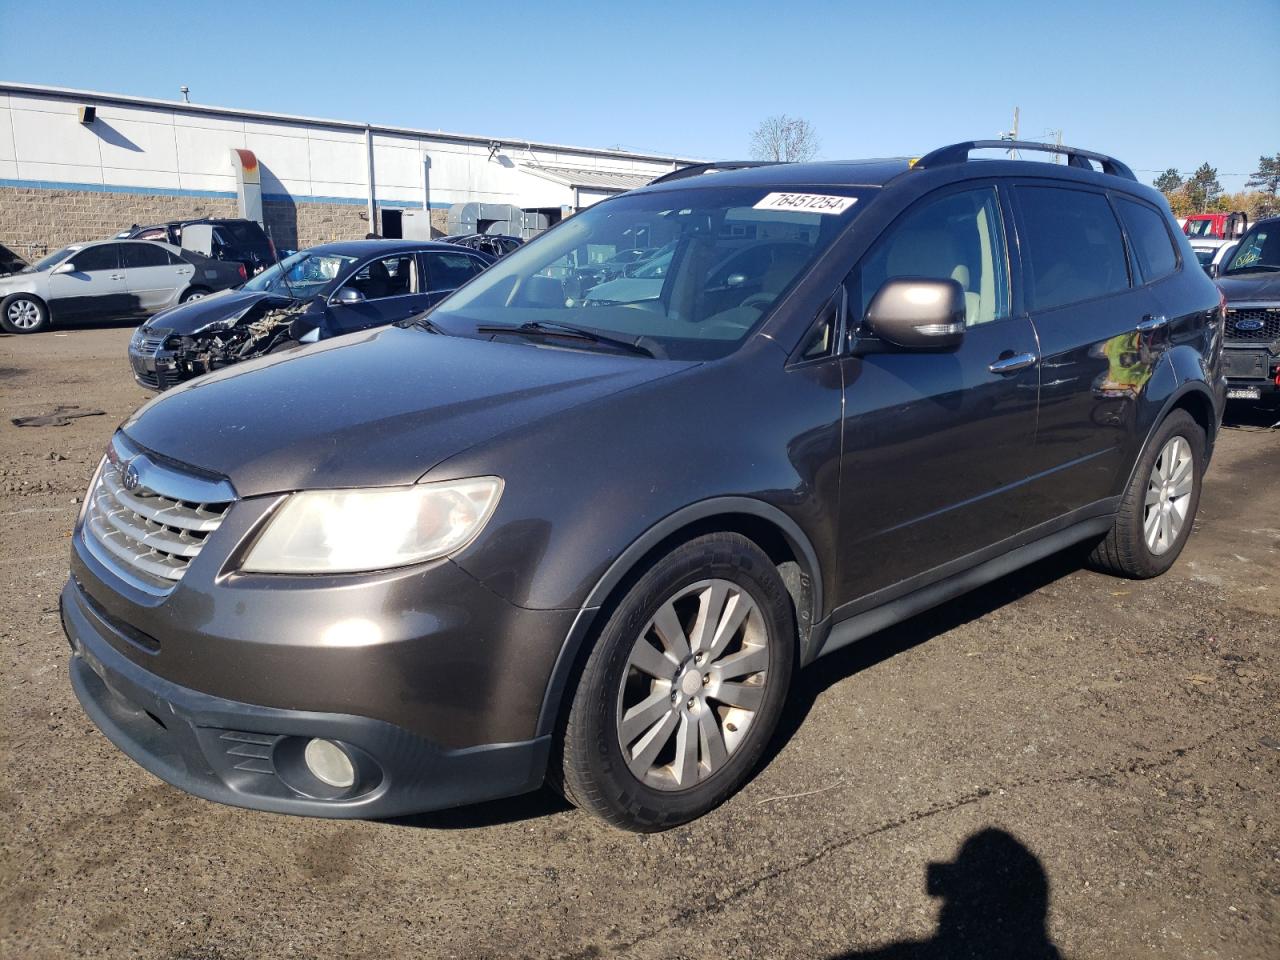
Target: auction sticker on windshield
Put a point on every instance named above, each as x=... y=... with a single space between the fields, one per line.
x=808 y=202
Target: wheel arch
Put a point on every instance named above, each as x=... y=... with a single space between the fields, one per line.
x=1195 y=397
x=777 y=534
x=192 y=288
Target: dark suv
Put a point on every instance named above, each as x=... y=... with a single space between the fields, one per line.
x=233 y=240
x=1250 y=280
x=543 y=534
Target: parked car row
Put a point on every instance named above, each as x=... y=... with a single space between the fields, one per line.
x=110 y=278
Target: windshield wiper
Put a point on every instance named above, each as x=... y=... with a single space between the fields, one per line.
x=422 y=322
x=554 y=328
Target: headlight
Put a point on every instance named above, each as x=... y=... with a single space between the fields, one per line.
x=348 y=531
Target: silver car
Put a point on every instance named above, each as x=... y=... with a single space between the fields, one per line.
x=107 y=280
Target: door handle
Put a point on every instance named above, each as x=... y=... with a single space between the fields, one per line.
x=1152 y=322
x=117 y=276
x=1019 y=361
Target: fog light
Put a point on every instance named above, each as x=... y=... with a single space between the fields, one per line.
x=329 y=763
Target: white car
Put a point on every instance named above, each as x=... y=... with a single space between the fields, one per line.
x=1212 y=252
x=107 y=280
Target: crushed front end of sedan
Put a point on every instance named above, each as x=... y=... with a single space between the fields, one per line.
x=162 y=356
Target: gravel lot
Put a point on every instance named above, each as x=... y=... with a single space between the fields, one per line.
x=1097 y=760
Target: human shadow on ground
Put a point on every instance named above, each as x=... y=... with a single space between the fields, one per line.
x=995 y=904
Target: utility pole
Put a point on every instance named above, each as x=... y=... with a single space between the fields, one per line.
x=1012 y=134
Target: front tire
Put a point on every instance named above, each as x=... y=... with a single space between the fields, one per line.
x=683 y=689
x=23 y=313
x=1159 y=507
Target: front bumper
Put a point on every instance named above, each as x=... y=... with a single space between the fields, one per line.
x=156 y=370
x=1251 y=365
x=250 y=756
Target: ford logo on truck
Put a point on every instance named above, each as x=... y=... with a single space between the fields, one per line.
x=1247 y=326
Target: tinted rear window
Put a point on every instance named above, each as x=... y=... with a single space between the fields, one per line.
x=145 y=255
x=1152 y=245
x=1072 y=244
x=249 y=235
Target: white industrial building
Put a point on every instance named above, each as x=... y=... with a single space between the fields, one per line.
x=93 y=151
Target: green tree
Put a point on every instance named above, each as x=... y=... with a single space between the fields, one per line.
x=1168 y=182
x=1203 y=188
x=1267 y=176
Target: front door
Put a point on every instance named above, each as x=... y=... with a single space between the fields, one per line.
x=94 y=287
x=391 y=289
x=154 y=277
x=936 y=444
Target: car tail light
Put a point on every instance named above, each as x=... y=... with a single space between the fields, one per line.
x=244 y=274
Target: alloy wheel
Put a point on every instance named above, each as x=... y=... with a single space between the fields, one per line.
x=1169 y=491
x=694 y=681
x=23 y=314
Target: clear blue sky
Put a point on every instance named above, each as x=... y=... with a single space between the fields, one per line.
x=1158 y=83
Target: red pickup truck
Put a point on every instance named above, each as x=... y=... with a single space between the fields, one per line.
x=1216 y=226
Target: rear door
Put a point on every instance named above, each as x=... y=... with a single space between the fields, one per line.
x=94 y=288
x=1091 y=316
x=392 y=289
x=445 y=271
x=936 y=443
x=155 y=279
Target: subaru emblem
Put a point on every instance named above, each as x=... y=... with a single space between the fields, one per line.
x=1248 y=325
x=129 y=478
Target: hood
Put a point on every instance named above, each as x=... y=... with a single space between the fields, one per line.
x=1246 y=287
x=372 y=409
x=188 y=318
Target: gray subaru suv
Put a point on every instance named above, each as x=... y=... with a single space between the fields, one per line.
x=572 y=529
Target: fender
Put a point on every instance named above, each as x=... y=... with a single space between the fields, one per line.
x=1181 y=391
x=797 y=539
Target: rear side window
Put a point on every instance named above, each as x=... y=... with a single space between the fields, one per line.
x=249 y=236
x=1152 y=245
x=447 y=271
x=104 y=257
x=145 y=255
x=1072 y=246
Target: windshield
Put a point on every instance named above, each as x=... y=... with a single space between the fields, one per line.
x=1259 y=250
x=309 y=275
x=714 y=262
x=51 y=260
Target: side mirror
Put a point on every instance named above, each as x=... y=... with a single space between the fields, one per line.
x=350 y=295
x=66 y=266
x=918 y=313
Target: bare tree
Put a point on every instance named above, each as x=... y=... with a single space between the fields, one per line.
x=784 y=139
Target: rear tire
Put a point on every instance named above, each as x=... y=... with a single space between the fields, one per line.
x=194 y=293
x=683 y=689
x=1159 y=506
x=23 y=313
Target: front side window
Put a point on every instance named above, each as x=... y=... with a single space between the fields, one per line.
x=958 y=237
x=1072 y=246
x=711 y=263
x=103 y=257
x=145 y=255
x=389 y=277
x=1258 y=251
x=1152 y=245
x=304 y=275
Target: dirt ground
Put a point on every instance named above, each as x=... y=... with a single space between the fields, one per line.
x=1095 y=762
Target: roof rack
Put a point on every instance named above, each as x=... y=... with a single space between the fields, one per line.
x=959 y=153
x=698 y=169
